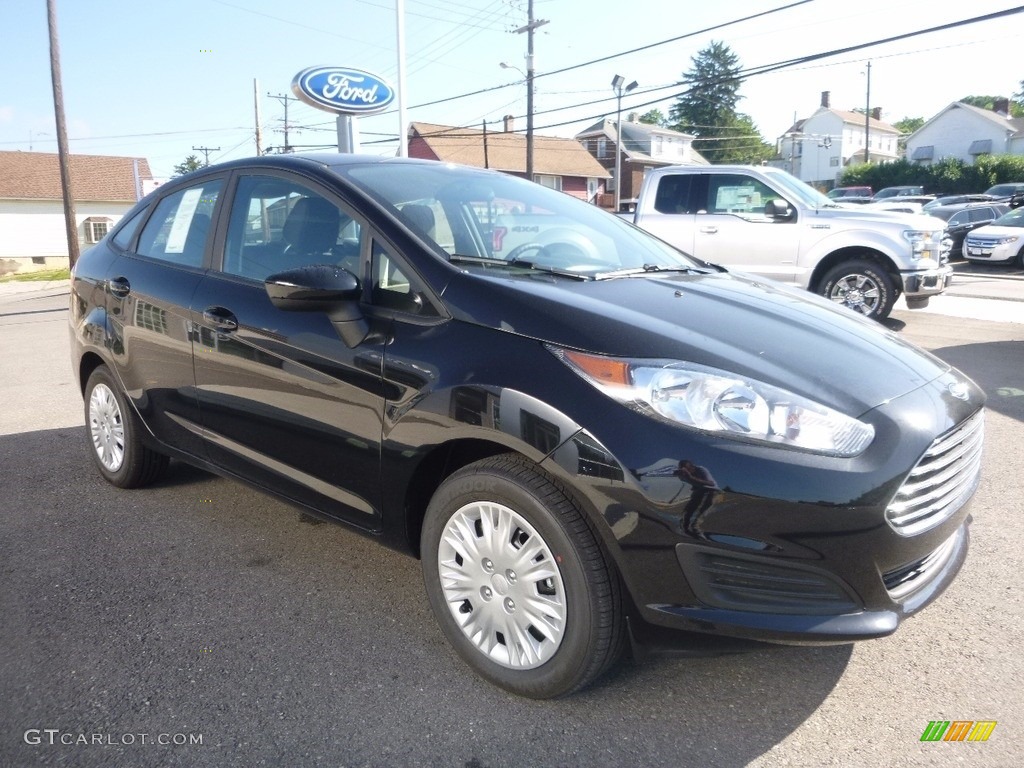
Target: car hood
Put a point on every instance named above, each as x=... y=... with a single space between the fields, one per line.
x=992 y=230
x=756 y=328
x=916 y=221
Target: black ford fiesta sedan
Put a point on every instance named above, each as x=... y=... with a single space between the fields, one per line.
x=584 y=434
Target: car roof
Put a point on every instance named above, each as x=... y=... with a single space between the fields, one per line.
x=947 y=211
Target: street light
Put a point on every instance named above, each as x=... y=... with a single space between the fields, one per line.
x=528 y=77
x=617 y=83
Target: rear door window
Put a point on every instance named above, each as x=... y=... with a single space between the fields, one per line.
x=179 y=227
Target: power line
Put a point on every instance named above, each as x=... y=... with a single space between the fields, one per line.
x=617 y=55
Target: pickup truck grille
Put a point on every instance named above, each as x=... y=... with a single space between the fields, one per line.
x=943 y=480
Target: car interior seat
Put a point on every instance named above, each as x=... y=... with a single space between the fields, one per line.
x=311 y=231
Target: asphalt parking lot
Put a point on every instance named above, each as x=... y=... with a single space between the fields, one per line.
x=134 y=624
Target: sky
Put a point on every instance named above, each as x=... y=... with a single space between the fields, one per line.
x=155 y=79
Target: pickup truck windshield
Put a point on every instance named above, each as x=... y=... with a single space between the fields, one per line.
x=805 y=193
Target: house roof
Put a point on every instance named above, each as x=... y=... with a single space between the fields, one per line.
x=851 y=118
x=507 y=151
x=1012 y=125
x=637 y=139
x=36 y=176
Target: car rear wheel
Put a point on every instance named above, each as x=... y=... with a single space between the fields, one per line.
x=862 y=286
x=113 y=432
x=517 y=580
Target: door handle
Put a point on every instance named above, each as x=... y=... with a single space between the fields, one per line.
x=119 y=286
x=220 y=318
x=709 y=230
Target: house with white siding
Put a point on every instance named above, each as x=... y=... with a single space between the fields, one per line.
x=966 y=132
x=817 y=149
x=32 y=231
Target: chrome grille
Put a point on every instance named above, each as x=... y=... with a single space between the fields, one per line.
x=942 y=481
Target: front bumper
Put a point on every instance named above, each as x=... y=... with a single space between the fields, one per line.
x=927 y=282
x=787 y=547
x=998 y=254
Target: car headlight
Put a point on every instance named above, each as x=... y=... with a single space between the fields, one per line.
x=719 y=402
x=1009 y=239
x=923 y=244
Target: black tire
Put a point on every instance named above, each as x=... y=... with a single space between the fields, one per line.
x=861 y=285
x=583 y=583
x=113 y=434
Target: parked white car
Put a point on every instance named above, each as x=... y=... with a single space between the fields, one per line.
x=1001 y=242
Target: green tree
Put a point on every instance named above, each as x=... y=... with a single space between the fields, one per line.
x=654 y=117
x=907 y=126
x=989 y=103
x=707 y=109
x=190 y=163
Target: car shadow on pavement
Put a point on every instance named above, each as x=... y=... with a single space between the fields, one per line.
x=997 y=367
x=201 y=606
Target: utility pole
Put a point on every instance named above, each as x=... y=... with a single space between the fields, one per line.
x=206 y=153
x=63 y=159
x=284 y=98
x=867 y=119
x=403 y=127
x=256 y=107
x=531 y=25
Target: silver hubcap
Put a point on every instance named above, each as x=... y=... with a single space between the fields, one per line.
x=858 y=292
x=502 y=585
x=106 y=427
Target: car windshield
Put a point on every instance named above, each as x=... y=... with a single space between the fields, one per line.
x=491 y=219
x=807 y=194
x=1014 y=218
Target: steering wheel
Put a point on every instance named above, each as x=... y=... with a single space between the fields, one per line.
x=557 y=254
x=519 y=250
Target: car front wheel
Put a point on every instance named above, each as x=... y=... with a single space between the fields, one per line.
x=862 y=286
x=518 y=581
x=113 y=431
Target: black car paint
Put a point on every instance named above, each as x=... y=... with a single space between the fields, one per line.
x=271 y=403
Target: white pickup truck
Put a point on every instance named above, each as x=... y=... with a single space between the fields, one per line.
x=764 y=221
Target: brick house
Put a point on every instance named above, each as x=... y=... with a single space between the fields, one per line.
x=32 y=232
x=644 y=147
x=561 y=164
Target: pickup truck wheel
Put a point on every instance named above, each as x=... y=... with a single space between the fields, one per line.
x=518 y=582
x=862 y=286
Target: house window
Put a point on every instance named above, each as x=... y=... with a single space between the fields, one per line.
x=603 y=148
x=657 y=145
x=833 y=162
x=96 y=228
x=551 y=182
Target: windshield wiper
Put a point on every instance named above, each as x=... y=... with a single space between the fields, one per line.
x=490 y=261
x=646 y=269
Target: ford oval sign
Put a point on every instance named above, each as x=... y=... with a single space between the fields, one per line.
x=343 y=90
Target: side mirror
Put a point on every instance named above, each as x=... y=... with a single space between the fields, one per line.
x=779 y=209
x=322 y=288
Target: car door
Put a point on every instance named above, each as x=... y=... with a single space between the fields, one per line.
x=150 y=288
x=285 y=403
x=731 y=228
